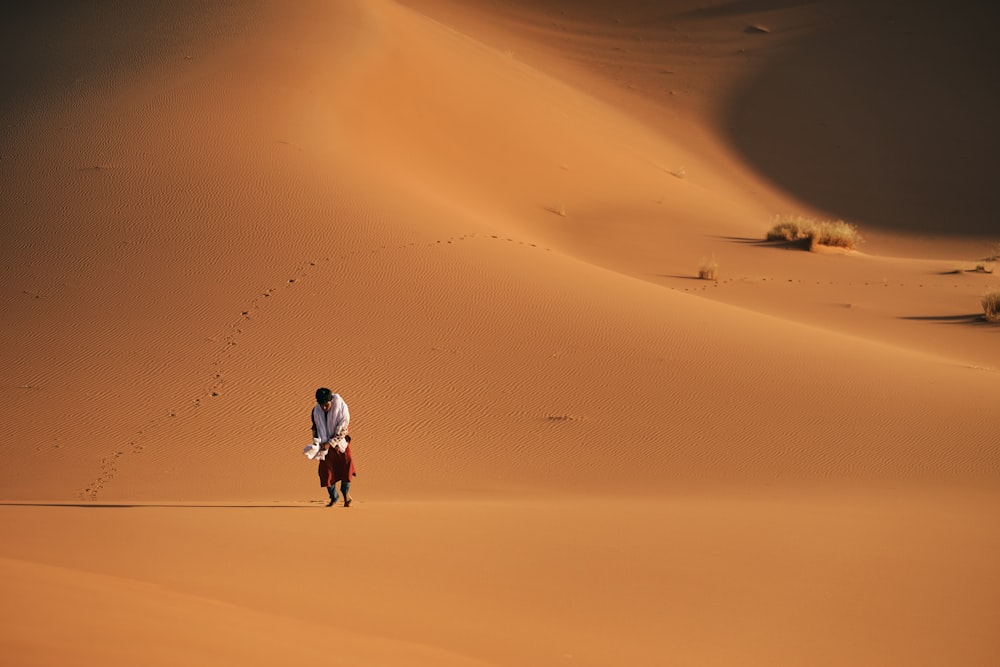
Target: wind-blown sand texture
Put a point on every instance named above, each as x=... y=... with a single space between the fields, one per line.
x=481 y=223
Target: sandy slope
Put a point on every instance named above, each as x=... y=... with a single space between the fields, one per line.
x=718 y=579
x=481 y=222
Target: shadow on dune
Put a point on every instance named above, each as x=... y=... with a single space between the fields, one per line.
x=743 y=240
x=885 y=116
x=104 y=506
x=976 y=319
x=52 y=49
x=645 y=10
x=740 y=7
x=878 y=112
x=799 y=244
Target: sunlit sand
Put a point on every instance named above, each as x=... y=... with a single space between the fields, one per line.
x=482 y=224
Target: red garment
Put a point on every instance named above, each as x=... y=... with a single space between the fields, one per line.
x=336 y=466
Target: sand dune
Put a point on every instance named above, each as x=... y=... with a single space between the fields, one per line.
x=481 y=223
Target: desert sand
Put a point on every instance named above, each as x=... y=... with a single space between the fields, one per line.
x=481 y=223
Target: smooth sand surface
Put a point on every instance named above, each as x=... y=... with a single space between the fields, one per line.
x=481 y=223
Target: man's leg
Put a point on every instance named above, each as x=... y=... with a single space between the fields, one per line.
x=345 y=488
x=332 y=490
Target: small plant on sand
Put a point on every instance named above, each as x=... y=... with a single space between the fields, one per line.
x=791 y=228
x=991 y=305
x=795 y=228
x=838 y=234
x=709 y=269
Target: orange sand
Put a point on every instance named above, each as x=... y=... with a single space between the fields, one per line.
x=481 y=223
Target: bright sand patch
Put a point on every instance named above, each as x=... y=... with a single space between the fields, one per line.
x=873 y=579
x=481 y=226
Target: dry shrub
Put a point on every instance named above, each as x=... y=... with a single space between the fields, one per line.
x=991 y=305
x=709 y=269
x=791 y=228
x=838 y=234
x=794 y=228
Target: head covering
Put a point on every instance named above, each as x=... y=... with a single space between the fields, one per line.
x=323 y=395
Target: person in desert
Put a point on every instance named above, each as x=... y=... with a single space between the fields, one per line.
x=332 y=445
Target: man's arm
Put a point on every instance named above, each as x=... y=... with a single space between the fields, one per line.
x=315 y=433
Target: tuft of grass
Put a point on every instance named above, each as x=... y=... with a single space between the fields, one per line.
x=709 y=269
x=559 y=209
x=991 y=305
x=838 y=234
x=793 y=228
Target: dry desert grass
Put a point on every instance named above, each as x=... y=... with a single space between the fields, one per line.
x=991 y=305
x=709 y=269
x=837 y=234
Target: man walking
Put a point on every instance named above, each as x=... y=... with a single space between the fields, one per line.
x=330 y=420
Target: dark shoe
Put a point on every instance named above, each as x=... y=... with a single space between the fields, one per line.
x=332 y=501
x=347 y=502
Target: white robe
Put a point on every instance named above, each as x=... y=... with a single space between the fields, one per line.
x=331 y=426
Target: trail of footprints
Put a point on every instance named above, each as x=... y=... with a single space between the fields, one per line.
x=108 y=466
